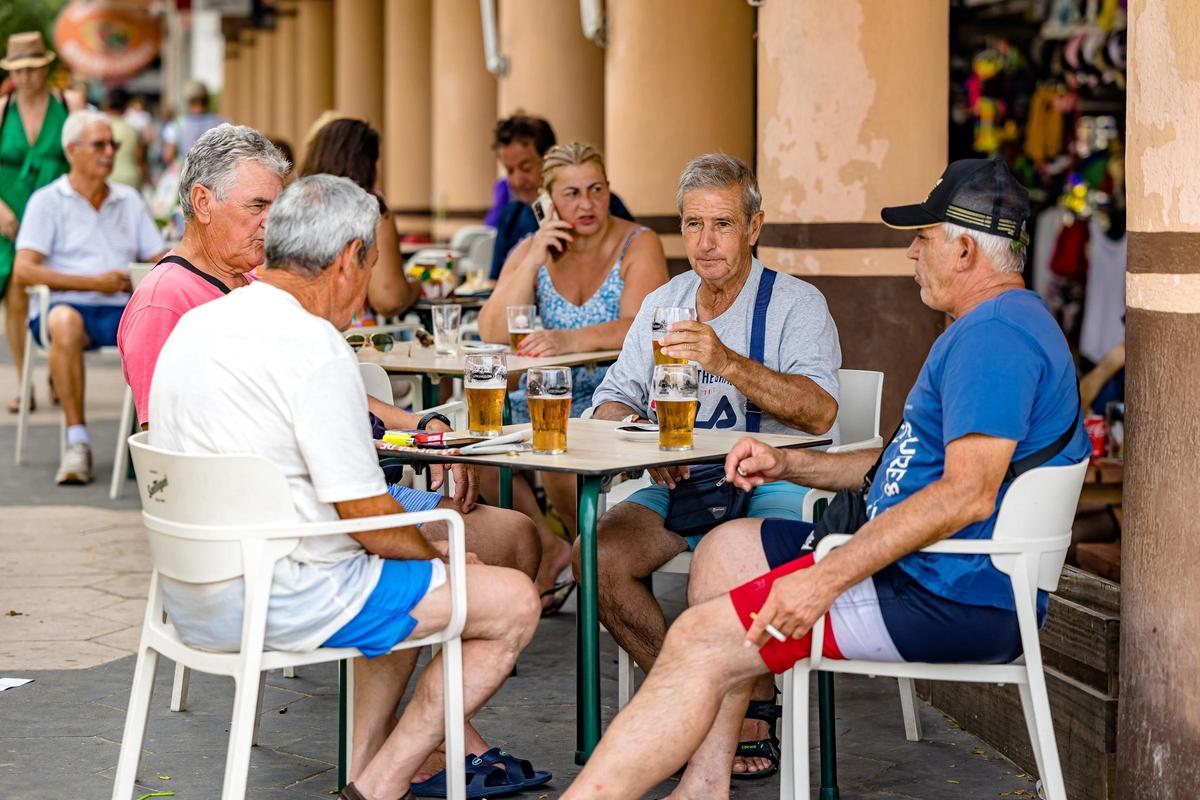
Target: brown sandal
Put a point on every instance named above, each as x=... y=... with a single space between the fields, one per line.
x=351 y=793
x=15 y=406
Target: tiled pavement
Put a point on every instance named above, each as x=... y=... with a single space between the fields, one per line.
x=73 y=572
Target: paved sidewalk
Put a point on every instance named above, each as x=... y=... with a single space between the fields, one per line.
x=73 y=573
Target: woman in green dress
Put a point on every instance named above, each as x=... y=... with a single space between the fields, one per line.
x=31 y=156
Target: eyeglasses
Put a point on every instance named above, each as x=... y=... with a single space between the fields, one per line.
x=380 y=341
x=105 y=144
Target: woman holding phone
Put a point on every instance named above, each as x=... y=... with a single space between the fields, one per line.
x=588 y=273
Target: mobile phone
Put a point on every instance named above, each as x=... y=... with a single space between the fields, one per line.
x=543 y=209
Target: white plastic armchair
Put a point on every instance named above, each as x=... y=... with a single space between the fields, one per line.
x=1029 y=545
x=218 y=517
x=137 y=271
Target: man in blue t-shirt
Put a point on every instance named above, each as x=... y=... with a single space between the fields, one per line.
x=997 y=389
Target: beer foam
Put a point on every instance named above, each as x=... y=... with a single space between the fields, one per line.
x=553 y=393
x=474 y=383
x=674 y=397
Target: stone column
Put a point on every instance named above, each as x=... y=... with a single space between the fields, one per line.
x=851 y=118
x=247 y=85
x=230 y=97
x=287 y=59
x=554 y=71
x=464 y=114
x=314 y=70
x=358 y=59
x=1158 y=739
x=407 y=103
x=264 y=80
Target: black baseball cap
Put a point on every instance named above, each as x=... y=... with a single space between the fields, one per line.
x=976 y=193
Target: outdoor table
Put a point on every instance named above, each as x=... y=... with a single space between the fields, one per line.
x=410 y=358
x=594 y=452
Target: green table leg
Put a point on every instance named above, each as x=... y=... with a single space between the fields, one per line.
x=587 y=640
x=342 y=699
x=828 y=733
x=506 y=479
x=429 y=392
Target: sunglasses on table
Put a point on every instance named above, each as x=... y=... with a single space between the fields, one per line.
x=382 y=342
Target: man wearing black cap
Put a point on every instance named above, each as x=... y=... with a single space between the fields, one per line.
x=996 y=395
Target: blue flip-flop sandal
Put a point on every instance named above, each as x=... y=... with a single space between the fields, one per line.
x=517 y=768
x=484 y=779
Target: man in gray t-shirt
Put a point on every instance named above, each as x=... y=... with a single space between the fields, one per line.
x=795 y=387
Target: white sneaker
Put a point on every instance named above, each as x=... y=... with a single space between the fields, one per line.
x=76 y=466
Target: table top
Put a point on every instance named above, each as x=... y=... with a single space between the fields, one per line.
x=412 y=359
x=468 y=301
x=593 y=448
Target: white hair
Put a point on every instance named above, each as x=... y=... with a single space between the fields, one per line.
x=1006 y=255
x=314 y=219
x=214 y=158
x=720 y=171
x=76 y=124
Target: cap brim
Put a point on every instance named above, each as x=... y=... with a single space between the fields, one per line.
x=907 y=217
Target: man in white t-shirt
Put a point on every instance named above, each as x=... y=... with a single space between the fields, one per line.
x=264 y=371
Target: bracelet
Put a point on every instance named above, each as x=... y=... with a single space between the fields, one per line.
x=431 y=416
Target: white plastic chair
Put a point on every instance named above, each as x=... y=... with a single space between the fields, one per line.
x=474 y=243
x=217 y=517
x=137 y=271
x=1029 y=544
x=861 y=395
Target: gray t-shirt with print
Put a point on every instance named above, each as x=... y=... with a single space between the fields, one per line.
x=801 y=339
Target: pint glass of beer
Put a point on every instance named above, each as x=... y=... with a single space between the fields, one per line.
x=663 y=317
x=485 y=376
x=520 y=324
x=676 y=397
x=549 y=391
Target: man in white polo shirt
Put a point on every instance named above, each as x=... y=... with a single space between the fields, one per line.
x=77 y=237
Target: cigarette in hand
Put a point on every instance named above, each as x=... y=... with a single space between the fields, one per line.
x=775 y=633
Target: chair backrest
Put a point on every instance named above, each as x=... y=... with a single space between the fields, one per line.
x=139 y=270
x=377 y=383
x=860 y=397
x=1040 y=505
x=190 y=501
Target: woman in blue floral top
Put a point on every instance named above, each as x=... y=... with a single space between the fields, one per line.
x=588 y=274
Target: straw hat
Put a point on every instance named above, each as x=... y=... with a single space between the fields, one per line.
x=26 y=50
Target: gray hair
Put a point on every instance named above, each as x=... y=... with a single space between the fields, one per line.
x=76 y=124
x=314 y=219
x=1006 y=255
x=719 y=171
x=214 y=159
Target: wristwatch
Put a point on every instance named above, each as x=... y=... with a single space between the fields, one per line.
x=431 y=416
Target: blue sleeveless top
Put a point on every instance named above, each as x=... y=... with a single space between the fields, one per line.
x=559 y=313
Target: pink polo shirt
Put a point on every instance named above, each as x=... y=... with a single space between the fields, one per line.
x=166 y=294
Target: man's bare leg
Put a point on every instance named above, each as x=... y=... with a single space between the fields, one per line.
x=500 y=537
x=502 y=615
x=563 y=495
x=702 y=660
x=556 y=553
x=67 y=342
x=631 y=543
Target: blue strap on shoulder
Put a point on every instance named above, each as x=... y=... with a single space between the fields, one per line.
x=758 y=336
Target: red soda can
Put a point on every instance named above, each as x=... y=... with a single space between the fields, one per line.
x=1097 y=431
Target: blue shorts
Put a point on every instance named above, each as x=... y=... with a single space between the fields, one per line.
x=414 y=500
x=922 y=625
x=780 y=500
x=99 y=322
x=386 y=619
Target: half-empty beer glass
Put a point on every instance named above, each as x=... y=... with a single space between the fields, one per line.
x=676 y=394
x=485 y=376
x=520 y=324
x=663 y=317
x=549 y=392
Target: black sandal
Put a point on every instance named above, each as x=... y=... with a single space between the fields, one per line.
x=769 y=712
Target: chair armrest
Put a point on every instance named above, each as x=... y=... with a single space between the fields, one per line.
x=455 y=410
x=863 y=444
x=298 y=529
x=809 y=504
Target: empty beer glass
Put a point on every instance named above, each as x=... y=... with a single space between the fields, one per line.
x=446 y=319
x=676 y=394
x=663 y=317
x=485 y=376
x=520 y=324
x=549 y=392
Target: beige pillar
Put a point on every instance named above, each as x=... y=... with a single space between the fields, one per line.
x=679 y=81
x=852 y=117
x=314 y=69
x=1158 y=736
x=358 y=59
x=264 y=80
x=247 y=84
x=554 y=71
x=464 y=114
x=287 y=58
x=230 y=99
x=407 y=104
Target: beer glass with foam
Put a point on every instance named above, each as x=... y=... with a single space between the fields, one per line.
x=676 y=394
x=520 y=324
x=663 y=317
x=485 y=376
x=549 y=391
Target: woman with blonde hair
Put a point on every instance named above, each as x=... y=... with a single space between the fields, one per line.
x=588 y=273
